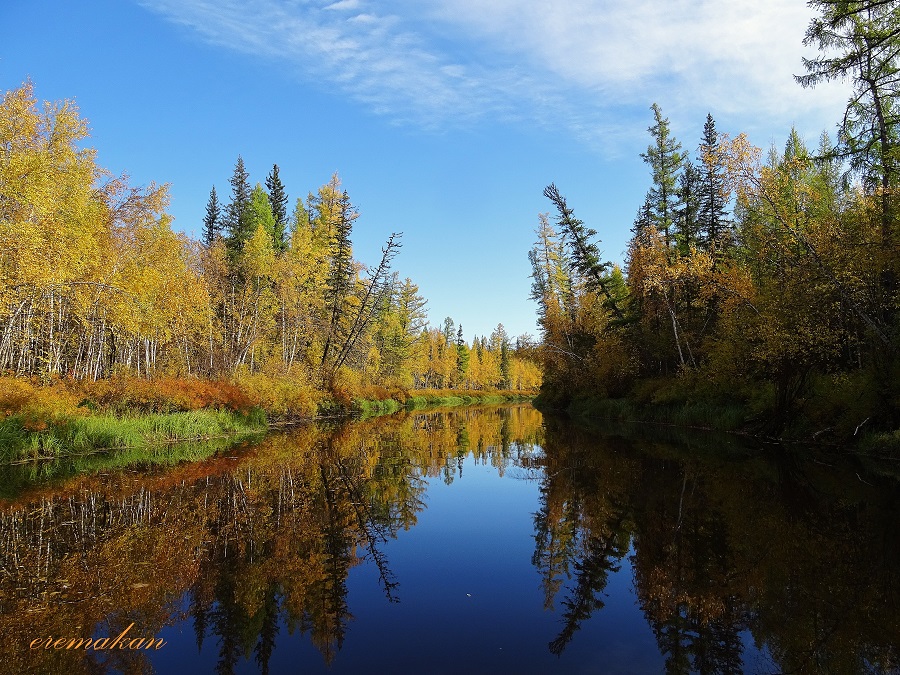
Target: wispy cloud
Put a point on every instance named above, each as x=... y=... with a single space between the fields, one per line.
x=584 y=65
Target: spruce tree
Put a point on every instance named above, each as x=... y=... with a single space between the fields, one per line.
x=687 y=221
x=448 y=330
x=341 y=275
x=712 y=215
x=585 y=256
x=462 y=357
x=212 y=222
x=278 y=200
x=642 y=220
x=237 y=213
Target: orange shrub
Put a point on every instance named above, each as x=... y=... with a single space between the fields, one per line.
x=166 y=394
x=38 y=404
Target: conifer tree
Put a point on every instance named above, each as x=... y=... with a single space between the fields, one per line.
x=712 y=215
x=860 y=40
x=259 y=213
x=462 y=357
x=278 y=201
x=665 y=159
x=687 y=213
x=585 y=255
x=237 y=215
x=642 y=220
x=212 y=222
x=341 y=274
x=448 y=330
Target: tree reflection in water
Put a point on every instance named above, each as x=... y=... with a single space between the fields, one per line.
x=726 y=547
x=254 y=542
x=801 y=556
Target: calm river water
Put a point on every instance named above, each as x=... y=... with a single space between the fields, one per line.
x=471 y=540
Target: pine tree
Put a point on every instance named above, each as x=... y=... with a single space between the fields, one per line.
x=278 y=201
x=212 y=222
x=665 y=159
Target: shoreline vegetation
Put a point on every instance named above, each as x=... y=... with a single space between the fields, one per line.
x=727 y=417
x=159 y=419
x=760 y=290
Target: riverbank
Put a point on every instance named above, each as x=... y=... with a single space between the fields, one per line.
x=813 y=425
x=64 y=418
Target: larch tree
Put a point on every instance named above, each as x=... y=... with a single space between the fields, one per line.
x=860 y=40
x=259 y=214
x=665 y=160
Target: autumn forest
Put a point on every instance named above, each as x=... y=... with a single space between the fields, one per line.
x=759 y=290
x=243 y=442
x=272 y=302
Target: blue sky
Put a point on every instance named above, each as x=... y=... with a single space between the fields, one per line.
x=444 y=120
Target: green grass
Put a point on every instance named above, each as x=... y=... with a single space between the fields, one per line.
x=365 y=408
x=16 y=479
x=372 y=408
x=143 y=434
x=417 y=402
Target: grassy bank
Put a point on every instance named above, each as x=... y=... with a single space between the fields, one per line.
x=138 y=434
x=145 y=419
x=417 y=399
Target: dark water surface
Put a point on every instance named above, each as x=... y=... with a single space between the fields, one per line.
x=460 y=541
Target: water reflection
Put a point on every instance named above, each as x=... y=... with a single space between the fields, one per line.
x=742 y=560
x=255 y=541
x=800 y=554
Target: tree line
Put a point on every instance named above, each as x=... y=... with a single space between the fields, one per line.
x=764 y=279
x=94 y=281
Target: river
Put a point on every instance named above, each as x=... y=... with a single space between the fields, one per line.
x=468 y=540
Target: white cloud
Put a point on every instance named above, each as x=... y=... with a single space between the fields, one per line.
x=580 y=64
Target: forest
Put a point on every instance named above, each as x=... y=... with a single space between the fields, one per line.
x=760 y=289
x=104 y=306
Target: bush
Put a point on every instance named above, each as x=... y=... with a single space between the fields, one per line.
x=285 y=397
